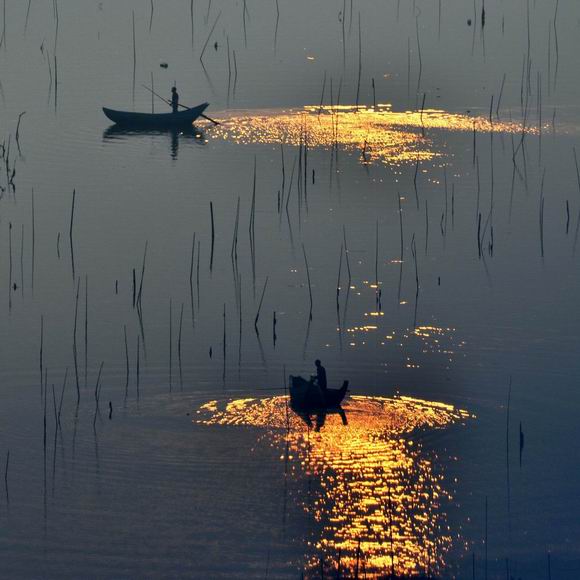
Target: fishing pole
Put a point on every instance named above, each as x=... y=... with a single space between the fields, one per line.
x=179 y=104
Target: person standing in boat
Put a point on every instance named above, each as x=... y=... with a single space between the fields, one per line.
x=320 y=375
x=174 y=99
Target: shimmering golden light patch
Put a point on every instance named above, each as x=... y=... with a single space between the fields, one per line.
x=373 y=133
x=422 y=340
x=380 y=497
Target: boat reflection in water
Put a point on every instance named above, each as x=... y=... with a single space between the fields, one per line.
x=378 y=496
x=373 y=133
x=176 y=135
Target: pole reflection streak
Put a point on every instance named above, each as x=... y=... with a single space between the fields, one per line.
x=379 y=497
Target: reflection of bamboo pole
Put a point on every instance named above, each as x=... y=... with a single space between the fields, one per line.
x=86 y=327
x=10 y=266
x=224 y=346
x=212 y=236
x=6 y=474
x=179 y=347
x=339 y=272
x=191 y=281
x=134 y=55
x=500 y=96
x=346 y=255
x=209 y=36
x=485 y=539
x=400 y=224
x=260 y=306
x=308 y=277
x=70 y=233
x=33 y=244
x=170 y=342
x=426 y=227
x=377 y=256
x=126 y=359
x=138 y=364
x=191 y=19
x=359 y=62
x=577 y=170
x=75 y=352
x=22 y=260
x=418 y=53
x=98 y=393
x=41 y=359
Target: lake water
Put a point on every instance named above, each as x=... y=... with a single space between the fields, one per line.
x=394 y=190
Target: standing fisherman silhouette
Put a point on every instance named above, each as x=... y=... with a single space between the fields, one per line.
x=320 y=375
x=174 y=99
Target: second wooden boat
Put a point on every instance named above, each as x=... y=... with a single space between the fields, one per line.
x=306 y=395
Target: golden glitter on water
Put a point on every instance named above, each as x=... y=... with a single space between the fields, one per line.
x=380 y=496
x=373 y=133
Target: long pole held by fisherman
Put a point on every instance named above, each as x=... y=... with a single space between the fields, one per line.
x=180 y=105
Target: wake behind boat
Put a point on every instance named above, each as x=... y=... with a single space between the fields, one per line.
x=155 y=120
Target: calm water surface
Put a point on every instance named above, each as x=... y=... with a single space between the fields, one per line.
x=401 y=202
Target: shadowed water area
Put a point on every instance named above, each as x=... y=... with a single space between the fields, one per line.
x=393 y=187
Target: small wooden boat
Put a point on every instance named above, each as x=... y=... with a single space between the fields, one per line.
x=307 y=395
x=157 y=120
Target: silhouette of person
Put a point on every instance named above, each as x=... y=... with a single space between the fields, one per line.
x=320 y=375
x=174 y=99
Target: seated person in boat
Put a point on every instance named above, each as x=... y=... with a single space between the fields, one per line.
x=174 y=99
x=320 y=375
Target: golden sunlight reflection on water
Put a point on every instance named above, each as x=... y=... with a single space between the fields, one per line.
x=374 y=133
x=379 y=497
